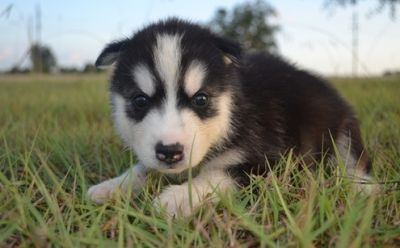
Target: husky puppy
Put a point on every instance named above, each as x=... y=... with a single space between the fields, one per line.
x=184 y=97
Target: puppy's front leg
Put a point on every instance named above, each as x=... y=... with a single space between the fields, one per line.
x=175 y=199
x=134 y=177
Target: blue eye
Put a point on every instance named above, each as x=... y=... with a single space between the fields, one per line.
x=200 y=100
x=141 y=101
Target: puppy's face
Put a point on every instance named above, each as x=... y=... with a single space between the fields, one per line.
x=172 y=93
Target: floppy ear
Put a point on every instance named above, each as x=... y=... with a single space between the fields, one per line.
x=111 y=53
x=232 y=51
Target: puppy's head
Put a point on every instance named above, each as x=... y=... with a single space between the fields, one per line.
x=172 y=92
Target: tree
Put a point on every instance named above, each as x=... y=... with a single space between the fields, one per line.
x=248 y=23
x=90 y=68
x=42 y=59
x=381 y=4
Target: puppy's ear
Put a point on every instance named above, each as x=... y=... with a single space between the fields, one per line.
x=111 y=53
x=232 y=51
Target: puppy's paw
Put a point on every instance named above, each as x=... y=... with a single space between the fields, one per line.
x=104 y=191
x=365 y=184
x=175 y=201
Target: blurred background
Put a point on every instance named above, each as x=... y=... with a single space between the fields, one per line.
x=355 y=38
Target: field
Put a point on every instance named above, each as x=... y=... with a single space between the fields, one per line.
x=56 y=139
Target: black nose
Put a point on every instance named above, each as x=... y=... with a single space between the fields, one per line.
x=170 y=153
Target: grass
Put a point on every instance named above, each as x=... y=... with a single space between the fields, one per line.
x=56 y=139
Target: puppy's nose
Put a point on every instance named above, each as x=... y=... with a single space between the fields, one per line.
x=169 y=153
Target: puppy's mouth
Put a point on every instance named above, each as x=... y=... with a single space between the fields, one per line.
x=170 y=161
x=173 y=168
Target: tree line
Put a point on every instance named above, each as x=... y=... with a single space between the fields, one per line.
x=250 y=23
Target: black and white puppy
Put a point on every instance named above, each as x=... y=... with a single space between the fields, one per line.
x=184 y=97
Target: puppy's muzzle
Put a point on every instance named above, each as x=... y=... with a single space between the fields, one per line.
x=169 y=154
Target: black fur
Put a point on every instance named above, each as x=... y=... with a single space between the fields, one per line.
x=277 y=107
x=285 y=108
x=197 y=43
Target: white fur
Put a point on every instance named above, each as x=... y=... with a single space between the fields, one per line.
x=343 y=144
x=144 y=79
x=144 y=135
x=167 y=57
x=122 y=124
x=136 y=177
x=211 y=180
x=170 y=126
x=221 y=162
x=194 y=77
x=362 y=181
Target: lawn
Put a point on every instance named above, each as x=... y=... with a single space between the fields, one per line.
x=57 y=139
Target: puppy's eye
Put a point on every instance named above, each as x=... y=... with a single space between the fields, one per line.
x=200 y=100
x=141 y=101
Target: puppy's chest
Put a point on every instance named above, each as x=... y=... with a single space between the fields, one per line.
x=178 y=178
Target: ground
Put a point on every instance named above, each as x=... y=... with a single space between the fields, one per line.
x=56 y=139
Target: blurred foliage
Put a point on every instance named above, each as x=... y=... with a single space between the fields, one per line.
x=381 y=4
x=42 y=58
x=248 y=23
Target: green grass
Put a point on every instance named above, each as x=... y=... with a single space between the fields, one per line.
x=56 y=139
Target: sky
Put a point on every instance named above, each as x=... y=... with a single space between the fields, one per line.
x=312 y=36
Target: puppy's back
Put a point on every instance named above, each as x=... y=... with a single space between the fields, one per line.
x=306 y=111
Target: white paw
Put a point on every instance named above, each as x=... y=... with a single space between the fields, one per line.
x=364 y=183
x=175 y=201
x=104 y=191
x=368 y=187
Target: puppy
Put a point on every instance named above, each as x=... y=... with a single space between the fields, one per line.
x=183 y=97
